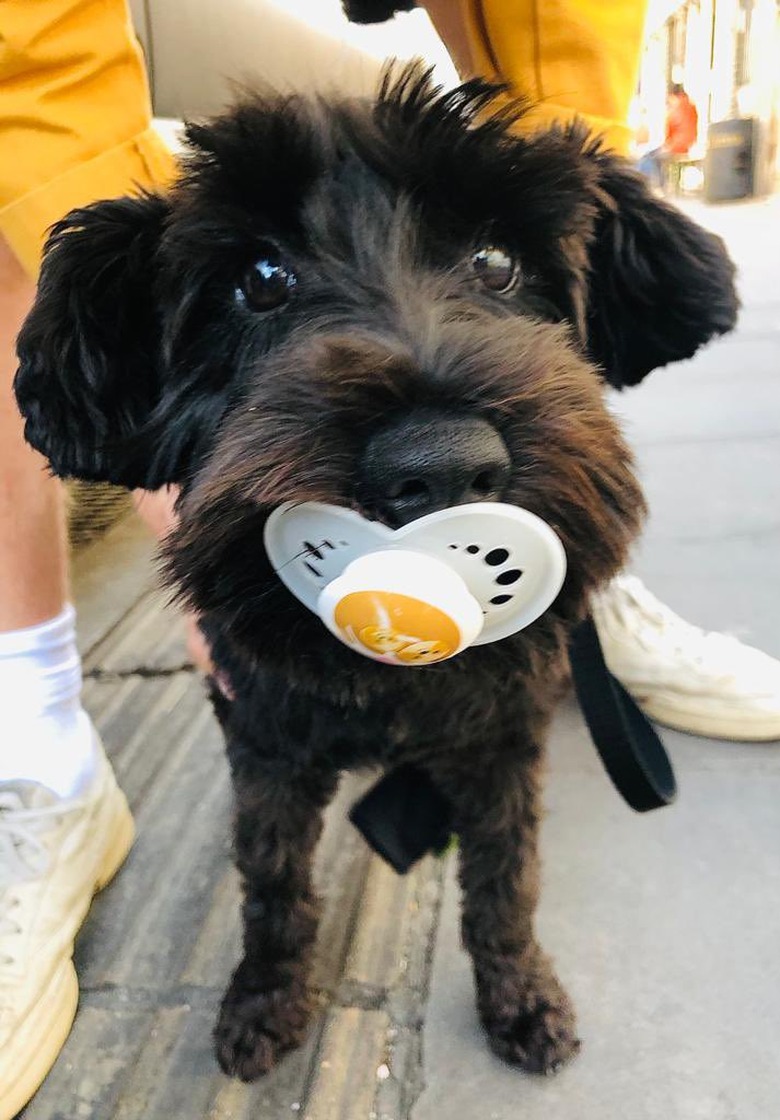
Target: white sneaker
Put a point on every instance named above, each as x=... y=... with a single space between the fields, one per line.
x=54 y=856
x=705 y=683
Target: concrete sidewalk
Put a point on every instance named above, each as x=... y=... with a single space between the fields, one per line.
x=666 y=929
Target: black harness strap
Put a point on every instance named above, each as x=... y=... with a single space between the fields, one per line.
x=404 y=815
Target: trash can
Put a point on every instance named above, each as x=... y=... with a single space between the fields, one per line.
x=730 y=163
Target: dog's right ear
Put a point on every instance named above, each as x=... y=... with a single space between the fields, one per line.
x=89 y=352
x=660 y=287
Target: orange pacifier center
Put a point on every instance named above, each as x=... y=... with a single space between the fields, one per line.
x=388 y=623
x=401 y=607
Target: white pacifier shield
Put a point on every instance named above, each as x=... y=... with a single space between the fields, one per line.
x=510 y=562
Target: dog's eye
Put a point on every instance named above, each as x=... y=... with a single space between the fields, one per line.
x=495 y=268
x=267 y=283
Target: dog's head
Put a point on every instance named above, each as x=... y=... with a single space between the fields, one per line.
x=396 y=306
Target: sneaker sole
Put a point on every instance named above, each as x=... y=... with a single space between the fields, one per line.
x=61 y=996
x=712 y=726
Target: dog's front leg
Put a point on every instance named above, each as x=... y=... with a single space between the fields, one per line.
x=268 y=1004
x=525 y=1011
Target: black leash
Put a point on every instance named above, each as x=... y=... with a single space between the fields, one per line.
x=630 y=748
x=404 y=815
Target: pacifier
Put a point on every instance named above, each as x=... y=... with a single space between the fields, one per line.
x=420 y=594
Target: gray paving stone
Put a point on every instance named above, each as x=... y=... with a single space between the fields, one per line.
x=388 y=904
x=712 y=544
x=665 y=929
x=110 y=575
x=730 y=393
x=149 y=638
x=349 y=1065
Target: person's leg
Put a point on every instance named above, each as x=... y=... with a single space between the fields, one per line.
x=571 y=57
x=32 y=536
x=65 y=826
x=56 y=789
x=47 y=737
x=650 y=166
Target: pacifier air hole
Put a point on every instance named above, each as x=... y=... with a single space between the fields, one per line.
x=506 y=573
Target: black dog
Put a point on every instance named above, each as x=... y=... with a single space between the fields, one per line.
x=323 y=274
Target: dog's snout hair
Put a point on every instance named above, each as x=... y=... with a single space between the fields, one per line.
x=385 y=305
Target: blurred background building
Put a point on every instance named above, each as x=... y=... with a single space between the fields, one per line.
x=726 y=53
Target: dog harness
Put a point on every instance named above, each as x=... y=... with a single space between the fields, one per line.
x=404 y=816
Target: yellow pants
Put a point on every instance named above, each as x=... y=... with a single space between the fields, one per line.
x=573 y=57
x=75 y=111
x=75 y=115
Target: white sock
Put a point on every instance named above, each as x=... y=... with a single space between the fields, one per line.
x=45 y=734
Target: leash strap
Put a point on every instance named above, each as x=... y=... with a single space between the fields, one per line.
x=404 y=816
x=628 y=744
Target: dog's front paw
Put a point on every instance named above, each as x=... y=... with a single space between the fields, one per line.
x=534 y=1028
x=255 y=1028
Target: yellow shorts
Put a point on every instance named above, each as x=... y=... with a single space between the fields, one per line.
x=573 y=57
x=75 y=115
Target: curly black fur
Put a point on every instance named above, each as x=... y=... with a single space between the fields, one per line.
x=144 y=363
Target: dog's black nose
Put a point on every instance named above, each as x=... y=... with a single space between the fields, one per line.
x=430 y=461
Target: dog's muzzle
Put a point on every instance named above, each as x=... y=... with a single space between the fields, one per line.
x=458 y=577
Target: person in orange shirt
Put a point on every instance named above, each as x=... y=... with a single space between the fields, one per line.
x=680 y=134
x=682 y=122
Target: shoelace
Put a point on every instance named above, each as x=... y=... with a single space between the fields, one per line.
x=23 y=856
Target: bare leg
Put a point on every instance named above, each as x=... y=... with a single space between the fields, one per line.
x=33 y=554
x=450 y=26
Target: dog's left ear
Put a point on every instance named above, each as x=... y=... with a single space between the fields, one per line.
x=89 y=352
x=660 y=285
